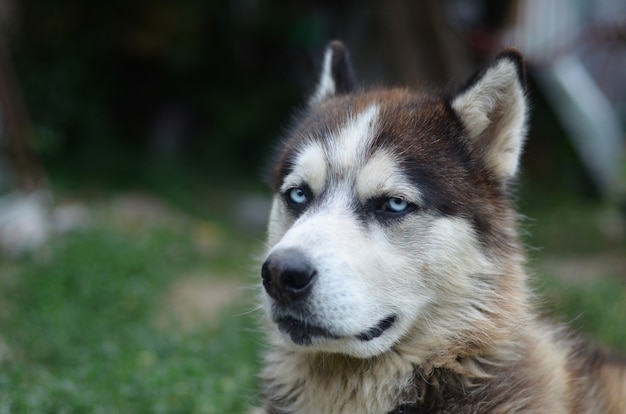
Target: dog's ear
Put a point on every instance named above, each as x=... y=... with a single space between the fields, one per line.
x=492 y=107
x=337 y=76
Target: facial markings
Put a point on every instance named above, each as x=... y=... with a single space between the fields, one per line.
x=381 y=177
x=342 y=152
x=348 y=146
x=309 y=168
x=351 y=173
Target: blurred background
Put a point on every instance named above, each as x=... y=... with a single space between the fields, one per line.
x=133 y=140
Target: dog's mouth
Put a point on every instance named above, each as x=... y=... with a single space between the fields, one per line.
x=302 y=333
x=378 y=329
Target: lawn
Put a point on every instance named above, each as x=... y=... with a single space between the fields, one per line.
x=92 y=323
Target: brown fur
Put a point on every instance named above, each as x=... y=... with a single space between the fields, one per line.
x=502 y=359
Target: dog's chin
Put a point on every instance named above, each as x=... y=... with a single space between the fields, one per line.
x=366 y=343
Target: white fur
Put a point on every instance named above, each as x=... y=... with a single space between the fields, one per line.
x=326 y=84
x=344 y=148
x=310 y=168
x=494 y=109
x=349 y=146
x=380 y=175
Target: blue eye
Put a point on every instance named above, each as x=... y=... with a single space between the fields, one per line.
x=396 y=205
x=296 y=195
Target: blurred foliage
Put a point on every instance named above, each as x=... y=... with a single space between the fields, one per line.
x=208 y=83
x=214 y=79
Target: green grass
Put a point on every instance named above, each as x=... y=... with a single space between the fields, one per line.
x=597 y=311
x=81 y=338
x=78 y=331
x=563 y=228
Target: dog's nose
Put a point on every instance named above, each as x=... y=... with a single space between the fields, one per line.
x=288 y=276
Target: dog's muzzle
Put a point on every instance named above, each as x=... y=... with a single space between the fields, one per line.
x=288 y=278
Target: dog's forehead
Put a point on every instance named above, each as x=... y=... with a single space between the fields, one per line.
x=380 y=173
x=377 y=135
x=336 y=150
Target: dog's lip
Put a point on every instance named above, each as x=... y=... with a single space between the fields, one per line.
x=378 y=329
x=302 y=332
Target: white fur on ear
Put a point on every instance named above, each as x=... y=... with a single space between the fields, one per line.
x=337 y=76
x=326 y=84
x=492 y=108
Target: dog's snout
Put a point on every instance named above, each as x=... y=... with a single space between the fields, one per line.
x=288 y=276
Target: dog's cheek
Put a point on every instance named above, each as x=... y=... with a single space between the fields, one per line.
x=435 y=254
x=393 y=262
x=454 y=256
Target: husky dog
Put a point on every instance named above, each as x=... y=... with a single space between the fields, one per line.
x=394 y=280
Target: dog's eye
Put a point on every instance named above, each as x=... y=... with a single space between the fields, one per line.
x=297 y=199
x=296 y=195
x=396 y=205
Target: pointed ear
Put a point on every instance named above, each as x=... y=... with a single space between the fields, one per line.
x=337 y=76
x=492 y=108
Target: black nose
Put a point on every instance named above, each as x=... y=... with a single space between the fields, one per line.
x=288 y=276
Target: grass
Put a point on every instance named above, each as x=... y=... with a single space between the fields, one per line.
x=80 y=336
x=564 y=229
x=597 y=311
x=78 y=331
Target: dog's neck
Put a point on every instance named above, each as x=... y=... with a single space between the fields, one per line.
x=402 y=382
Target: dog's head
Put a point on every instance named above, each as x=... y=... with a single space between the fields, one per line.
x=390 y=217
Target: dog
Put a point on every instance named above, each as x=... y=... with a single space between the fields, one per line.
x=394 y=280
